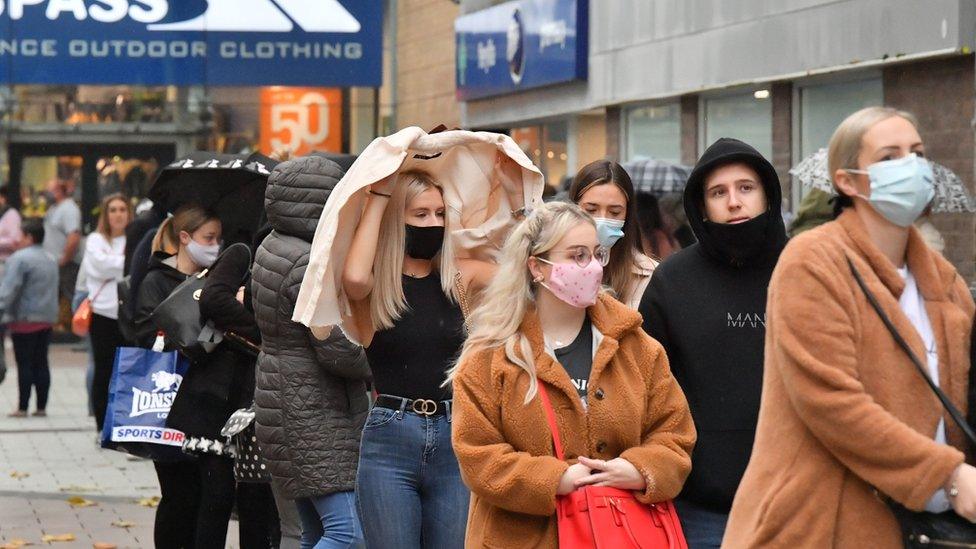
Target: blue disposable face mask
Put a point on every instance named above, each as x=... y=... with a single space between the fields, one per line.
x=609 y=231
x=901 y=189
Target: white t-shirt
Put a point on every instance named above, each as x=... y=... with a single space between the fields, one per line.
x=104 y=263
x=913 y=305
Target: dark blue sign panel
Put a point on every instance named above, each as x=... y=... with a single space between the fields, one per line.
x=192 y=42
x=520 y=45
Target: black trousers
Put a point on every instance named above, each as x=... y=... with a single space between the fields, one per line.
x=176 y=515
x=259 y=527
x=30 y=351
x=256 y=511
x=105 y=338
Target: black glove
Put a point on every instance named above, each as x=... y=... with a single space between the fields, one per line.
x=3 y=372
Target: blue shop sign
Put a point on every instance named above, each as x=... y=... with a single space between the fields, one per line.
x=521 y=45
x=335 y=43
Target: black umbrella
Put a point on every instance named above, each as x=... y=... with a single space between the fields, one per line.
x=230 y=185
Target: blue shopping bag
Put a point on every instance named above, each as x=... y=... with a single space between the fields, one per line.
x=143 y=388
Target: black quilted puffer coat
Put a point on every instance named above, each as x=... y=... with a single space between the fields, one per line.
x=311 y=399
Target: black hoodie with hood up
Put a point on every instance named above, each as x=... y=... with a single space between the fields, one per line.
x=707 y=306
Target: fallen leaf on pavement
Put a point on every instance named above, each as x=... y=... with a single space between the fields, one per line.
x=149 y=502
x=123 y=524
x=18 y=475
x=104 y=545
x=15 y=543
x=57 y=537
x=78 y=501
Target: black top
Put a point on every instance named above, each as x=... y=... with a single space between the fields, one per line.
x=707 y=306
x=577 y=357
x=411 y=359
x=223 y=381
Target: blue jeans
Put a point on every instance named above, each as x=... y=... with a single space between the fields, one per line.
x=409 y=485
x=703 y=528
x=330 y=522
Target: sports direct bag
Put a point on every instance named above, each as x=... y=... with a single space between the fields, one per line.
x=598 y=517
x=143 y=388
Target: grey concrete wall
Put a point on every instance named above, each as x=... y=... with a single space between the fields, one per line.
x=646 y=49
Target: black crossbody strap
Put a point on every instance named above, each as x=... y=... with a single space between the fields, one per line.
x=954 y=412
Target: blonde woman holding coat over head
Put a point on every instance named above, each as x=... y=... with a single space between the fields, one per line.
x=402 y=270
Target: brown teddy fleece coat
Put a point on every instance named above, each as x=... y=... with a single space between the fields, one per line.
x=504 y=447
x=845 y=415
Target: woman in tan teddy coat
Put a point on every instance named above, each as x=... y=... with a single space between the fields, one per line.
x=846 y=419
x=623 y=419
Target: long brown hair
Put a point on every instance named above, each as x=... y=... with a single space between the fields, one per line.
x=102 y=226
x=187 y=218
x=619 y=272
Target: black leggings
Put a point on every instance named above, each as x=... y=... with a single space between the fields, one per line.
x=256 y=509
x=30 y=351
x=176 y=515
x=105 y=338
x=258 y=516
x=216 y=500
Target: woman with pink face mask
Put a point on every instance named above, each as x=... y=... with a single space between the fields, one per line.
x=544 y=323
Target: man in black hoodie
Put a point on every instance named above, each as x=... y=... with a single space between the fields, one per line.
x=707 y=306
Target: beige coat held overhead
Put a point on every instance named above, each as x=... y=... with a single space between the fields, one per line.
x=845 y=416
x=636 y=411
x=478 y=213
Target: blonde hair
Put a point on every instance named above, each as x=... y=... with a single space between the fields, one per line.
x=187 y=218
x=102 y=226
x=387 y=301
x=505 y=302
x=845 y=144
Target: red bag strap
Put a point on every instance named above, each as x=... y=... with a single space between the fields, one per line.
x=551 y=419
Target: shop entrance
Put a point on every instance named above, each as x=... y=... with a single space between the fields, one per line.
x=92 y=171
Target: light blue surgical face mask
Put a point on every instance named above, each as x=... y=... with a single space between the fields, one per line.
x=901 y=189
x=609 y=231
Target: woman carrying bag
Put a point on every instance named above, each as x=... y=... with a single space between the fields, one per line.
x=104 y=258
x=185 y=244
x=215 y=386
x=545 y=338
x=850 y=434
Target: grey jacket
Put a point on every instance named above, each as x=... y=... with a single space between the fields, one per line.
x=29 y=292
x=310 y=399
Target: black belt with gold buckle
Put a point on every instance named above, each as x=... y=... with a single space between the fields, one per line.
x=419 y=406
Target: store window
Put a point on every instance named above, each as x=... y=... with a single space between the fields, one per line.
x=78 y=105
x=547 y=146
x=654 y=132
x=748 y=117
x=822 y=108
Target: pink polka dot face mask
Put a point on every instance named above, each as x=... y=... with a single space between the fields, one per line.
x=573 y=284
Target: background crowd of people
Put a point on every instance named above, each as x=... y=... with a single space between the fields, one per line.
x=485 y=368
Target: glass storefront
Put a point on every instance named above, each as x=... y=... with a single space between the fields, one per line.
x=744 y=116
x=547 y=146
x=653 y=132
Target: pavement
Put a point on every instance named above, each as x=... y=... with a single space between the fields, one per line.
x=45 y=462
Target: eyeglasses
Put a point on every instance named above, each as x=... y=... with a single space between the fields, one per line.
x=582 y=256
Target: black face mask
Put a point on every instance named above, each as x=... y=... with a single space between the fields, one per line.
x=740 y=242
x=423 y=242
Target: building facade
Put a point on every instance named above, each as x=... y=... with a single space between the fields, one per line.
x=665 y=78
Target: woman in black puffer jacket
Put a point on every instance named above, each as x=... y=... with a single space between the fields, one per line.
x=311 y=399
x=214 y=387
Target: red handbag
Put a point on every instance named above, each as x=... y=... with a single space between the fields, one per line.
x=598 y=517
